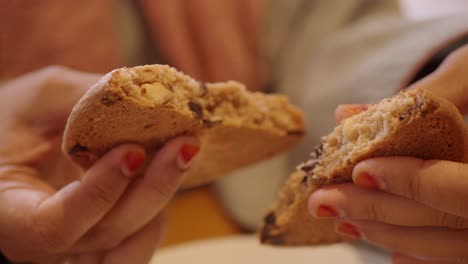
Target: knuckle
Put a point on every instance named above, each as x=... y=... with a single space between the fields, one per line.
x=53 y=71
x=375 y=211
x=52 y=75
x=104 y=239
x=414 y=187
x=102 y=196
x=53 y=240
x=163 y=191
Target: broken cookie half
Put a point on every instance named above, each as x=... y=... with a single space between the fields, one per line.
x=151 y=104
x=413 y=123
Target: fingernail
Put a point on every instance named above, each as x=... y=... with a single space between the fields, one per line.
x=367 y=180
x=132 y=162
x=349 y=230
x=353 y=108
x=326 y=211
x=186 y=155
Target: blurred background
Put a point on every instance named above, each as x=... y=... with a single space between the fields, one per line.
x=294 y=47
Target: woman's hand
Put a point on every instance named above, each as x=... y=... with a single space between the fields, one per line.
x=416 y=208
x=211 y=40
x=49 y=209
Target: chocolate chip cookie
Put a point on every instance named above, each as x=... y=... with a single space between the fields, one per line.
x=413 y=123
x=151 y=104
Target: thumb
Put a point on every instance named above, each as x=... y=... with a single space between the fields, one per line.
x=59 y=90
x=65 y=216
x=347 y=110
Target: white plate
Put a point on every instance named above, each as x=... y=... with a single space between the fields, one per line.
x=246 y=249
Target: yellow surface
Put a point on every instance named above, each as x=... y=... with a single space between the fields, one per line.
x=197 y=214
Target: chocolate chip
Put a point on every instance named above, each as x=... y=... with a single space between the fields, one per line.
x=295 y=133
x=148 y=126
x=309 y=165
x=170 y=88
x=77 y=149
x=196 y=109
x=267 y=238
x=304 y=180
x=318 y=151
x=210 y=124
x=270 y=219
x=107 y=101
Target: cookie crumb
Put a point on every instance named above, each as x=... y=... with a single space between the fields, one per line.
x=77 y=149
x=107 y=101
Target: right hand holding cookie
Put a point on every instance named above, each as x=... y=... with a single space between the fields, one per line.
x=109 y=214
x=410 y=206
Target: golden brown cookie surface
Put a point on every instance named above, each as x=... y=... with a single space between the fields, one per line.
x=154 y=103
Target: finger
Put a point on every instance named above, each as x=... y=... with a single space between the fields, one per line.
x=168 y=27
x=450 y=80
x=64 y=217
x=144 y=199
x=438 y=184
x=334 y=201
x=441 y=244
x=140 y=247
x=347 y=110
x=403 y=259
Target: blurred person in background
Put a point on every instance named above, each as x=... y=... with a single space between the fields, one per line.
x=320 y=53
x=47 y=213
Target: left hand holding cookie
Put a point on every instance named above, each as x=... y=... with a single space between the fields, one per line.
x=50 y=210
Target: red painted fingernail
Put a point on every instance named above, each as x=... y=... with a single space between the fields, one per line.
x=133 y=161
x=353 y=109
x=325 y=211
x=369 y=181
x=348 y=229
x=187 y=153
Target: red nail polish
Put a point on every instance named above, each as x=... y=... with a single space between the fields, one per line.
x=349 y=230
x=325 y=211
x=368 y=181
x=353 y=108
x=187 y=153
x=133 y=161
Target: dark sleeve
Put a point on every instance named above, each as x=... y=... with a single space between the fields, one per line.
x=3 y=260
x=435 y=59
